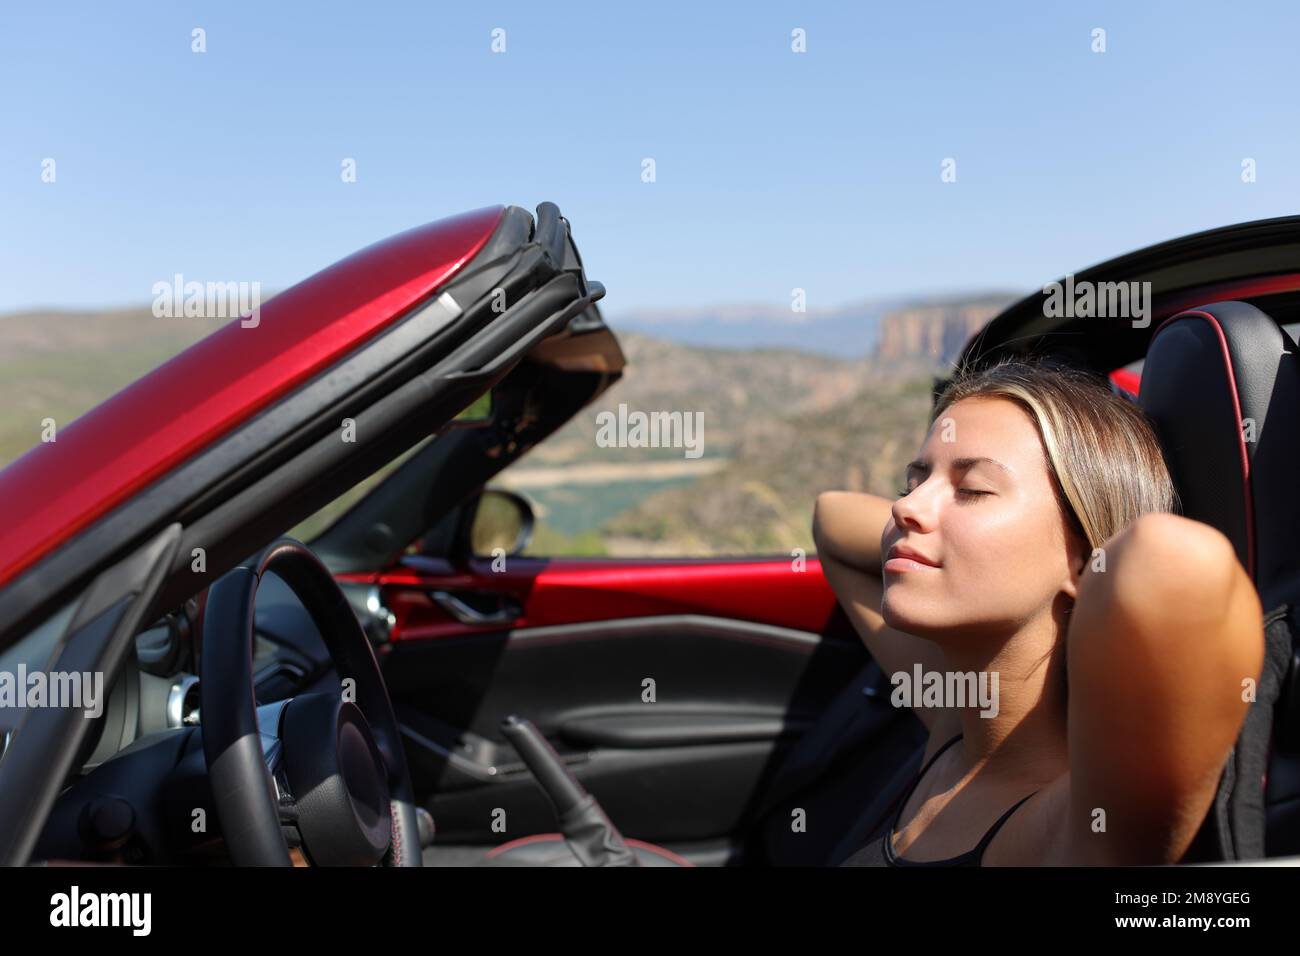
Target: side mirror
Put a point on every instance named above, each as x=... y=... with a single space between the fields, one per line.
x=503 y=519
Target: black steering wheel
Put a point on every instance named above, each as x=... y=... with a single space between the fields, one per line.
x=330 y=765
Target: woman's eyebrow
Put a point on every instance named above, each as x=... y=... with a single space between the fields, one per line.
x=961 y=463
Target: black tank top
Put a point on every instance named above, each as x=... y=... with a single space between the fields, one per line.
x=880 y=852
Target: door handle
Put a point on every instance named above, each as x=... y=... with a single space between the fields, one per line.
x=454 y=605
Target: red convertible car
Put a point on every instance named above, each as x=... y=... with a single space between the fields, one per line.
x=393 y=692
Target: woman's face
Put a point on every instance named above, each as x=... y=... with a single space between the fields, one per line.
x=982 y=509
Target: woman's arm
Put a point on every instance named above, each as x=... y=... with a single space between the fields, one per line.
x=1163 y=646
x=847 y=529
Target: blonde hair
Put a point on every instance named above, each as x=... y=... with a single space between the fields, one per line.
x=1102 y=452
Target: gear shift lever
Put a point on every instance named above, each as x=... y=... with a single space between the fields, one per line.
x=594 y=840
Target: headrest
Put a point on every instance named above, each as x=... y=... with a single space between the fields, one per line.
x=1222 y=385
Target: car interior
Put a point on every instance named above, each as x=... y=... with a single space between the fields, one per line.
x=533 y=745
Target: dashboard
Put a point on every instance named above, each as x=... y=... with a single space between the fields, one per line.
x=141 y=775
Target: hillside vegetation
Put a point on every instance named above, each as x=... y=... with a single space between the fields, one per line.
x=778 y=426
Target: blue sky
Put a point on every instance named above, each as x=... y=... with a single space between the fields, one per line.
x=775 y=170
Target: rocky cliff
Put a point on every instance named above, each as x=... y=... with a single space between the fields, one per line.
x=934 y=332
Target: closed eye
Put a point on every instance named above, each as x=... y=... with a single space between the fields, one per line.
x=968 y=492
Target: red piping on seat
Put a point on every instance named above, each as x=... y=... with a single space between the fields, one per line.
x=1236 y=405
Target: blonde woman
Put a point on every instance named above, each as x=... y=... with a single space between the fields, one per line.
x=1035 y=543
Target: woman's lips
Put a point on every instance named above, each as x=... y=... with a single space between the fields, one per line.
x=907 y=564
x=902 y=561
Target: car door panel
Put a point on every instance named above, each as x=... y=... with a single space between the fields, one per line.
x=672 y=688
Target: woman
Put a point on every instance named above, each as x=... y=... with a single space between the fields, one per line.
x=1035 y=549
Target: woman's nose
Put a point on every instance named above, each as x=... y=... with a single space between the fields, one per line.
x=914 y=509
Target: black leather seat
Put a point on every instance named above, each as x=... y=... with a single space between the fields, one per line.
x=1222 y=385
x=842 y=777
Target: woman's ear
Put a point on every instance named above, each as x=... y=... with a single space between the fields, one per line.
x=1080 y=554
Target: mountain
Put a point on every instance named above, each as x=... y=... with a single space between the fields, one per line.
x=846 y=332
x=727 y=387
x=852 y=331
x=779 y=426
x=761 y=499
x=937 y=330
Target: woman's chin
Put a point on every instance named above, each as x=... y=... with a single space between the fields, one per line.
x=905 y=616
x=898 y=616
